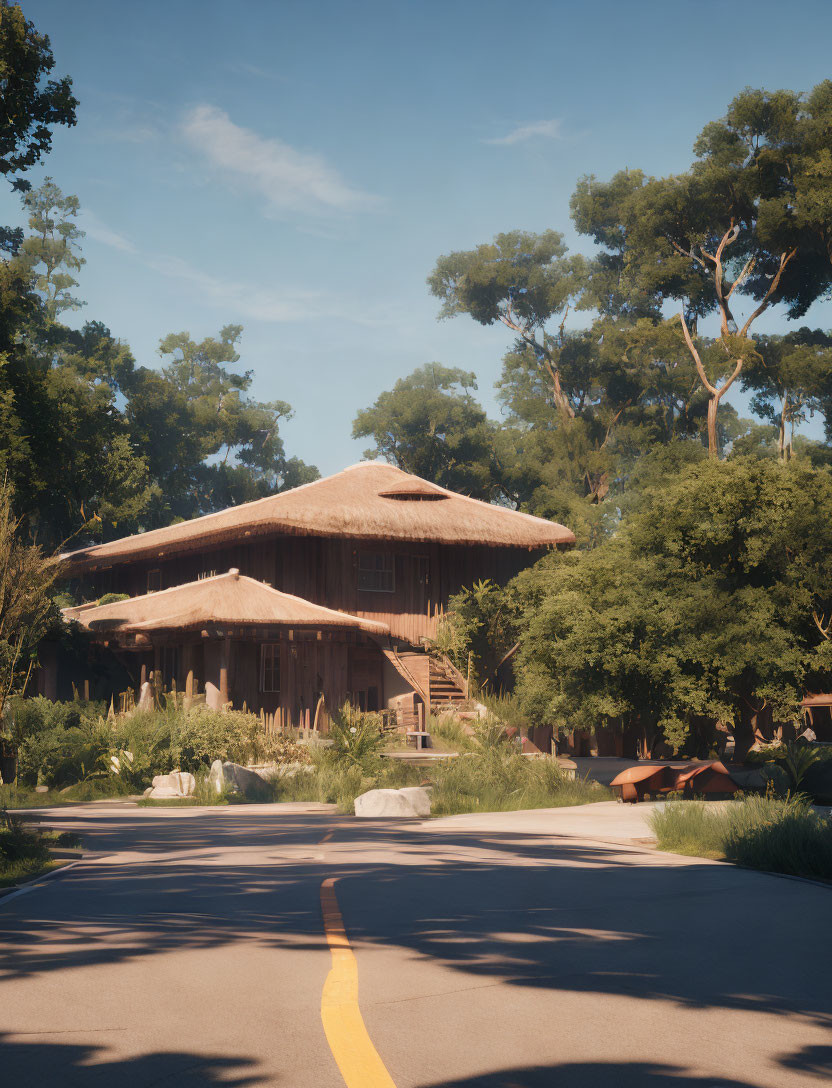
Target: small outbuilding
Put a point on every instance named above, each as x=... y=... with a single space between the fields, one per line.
x=244 y=641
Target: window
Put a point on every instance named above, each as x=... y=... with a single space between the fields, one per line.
x=154 y=581
x=376 y=573
x=270 y=666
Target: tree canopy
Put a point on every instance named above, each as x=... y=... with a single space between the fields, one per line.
x=429 y=424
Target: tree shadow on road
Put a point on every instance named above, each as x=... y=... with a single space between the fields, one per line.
x=38 y=1064
x=522 y=910
x=593 y=1075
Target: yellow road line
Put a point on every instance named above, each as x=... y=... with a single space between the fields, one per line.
x=354 y=1053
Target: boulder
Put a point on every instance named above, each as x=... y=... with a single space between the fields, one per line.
x=419 y=797
x=248 y=783
x=175 y=784
x=378 y=804
x=216 y=779
x=41 y=789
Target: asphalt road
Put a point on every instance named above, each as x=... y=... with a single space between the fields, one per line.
x=189 y=949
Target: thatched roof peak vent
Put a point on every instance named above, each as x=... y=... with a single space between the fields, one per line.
x=415 y=491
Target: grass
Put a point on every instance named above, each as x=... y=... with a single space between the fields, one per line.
x=483 y=778
x=26 y=853
x=499 y=779
x=777 y=835
x=13 y=796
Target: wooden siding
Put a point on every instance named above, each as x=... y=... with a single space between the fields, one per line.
x=325 y=571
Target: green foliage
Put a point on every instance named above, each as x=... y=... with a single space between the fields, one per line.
x=496 y=778
x=60 y=744
x=32 y=104
x=743 y=221
x=481 y=622
x=99 y=446
x=17 y=842
x=430 y=425
x=357 y=738
x=797 y=761
x=507 y=709
x=51 y=252
x=26 y=608
x=113 y=598
x=779 y=836
x=730 y=560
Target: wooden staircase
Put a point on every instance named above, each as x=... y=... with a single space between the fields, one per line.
x=447 y=686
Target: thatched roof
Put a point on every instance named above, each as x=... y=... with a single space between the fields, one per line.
x=231 y=600
x=370 y=501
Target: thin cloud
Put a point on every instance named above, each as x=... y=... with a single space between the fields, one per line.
x=100 y=232
x=246 y=69
x=273 y=305
x=261 y=304
x=534 y=130
x=287 y=179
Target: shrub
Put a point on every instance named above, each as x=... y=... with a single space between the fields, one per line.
x=357 y=738
x=780 y=835
x=205 y=735
x=63 y=743
x=61 y=755
x=113 y=598
x=17 y=843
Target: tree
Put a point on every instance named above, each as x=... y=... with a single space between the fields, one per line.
x=31 y=107
x=728 y=227
x=51 y=252
x=733 y=569
x=789 y=375
x=26 y=608
x=207 y=444
x=523 y=281
x=429 y=424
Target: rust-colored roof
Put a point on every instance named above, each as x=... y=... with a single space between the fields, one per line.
x=817 y=700
x=229 y=599
x=370 y=500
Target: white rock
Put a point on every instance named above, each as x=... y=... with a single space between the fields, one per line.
x=419 y=797
x=212 y=696
x=411 y=801
x=175 y=784
x=162 y=793
x=145 y=697
x=216 y=779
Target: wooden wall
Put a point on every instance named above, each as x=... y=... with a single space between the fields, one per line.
x=325 y=571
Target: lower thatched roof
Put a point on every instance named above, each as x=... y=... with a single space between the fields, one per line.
x=369 y=501
x=231 y=600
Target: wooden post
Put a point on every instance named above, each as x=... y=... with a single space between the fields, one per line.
x=225 y=654
x=87 y=690
x=143 y=679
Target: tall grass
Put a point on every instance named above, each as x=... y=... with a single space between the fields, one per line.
x=500 y=779
x=774 y=834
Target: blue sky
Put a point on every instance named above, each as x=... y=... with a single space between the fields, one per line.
x=297 y=167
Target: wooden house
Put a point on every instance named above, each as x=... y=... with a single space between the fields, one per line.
x=331 y=588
